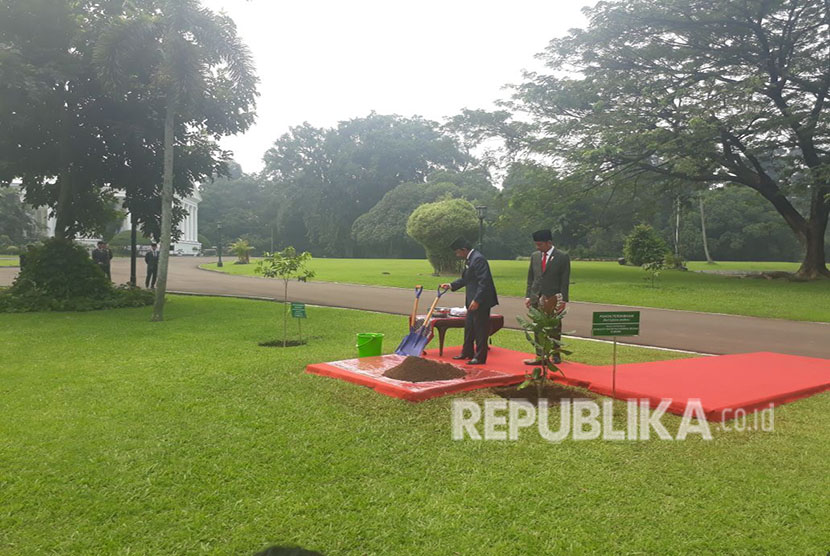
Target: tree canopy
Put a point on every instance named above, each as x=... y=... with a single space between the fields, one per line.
x=436 y=225
x=706 y=92
x=332 y=176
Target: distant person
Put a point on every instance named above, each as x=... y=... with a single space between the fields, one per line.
x=480 y=298
x=102 y=257
x=152 y=260
x=549 y=274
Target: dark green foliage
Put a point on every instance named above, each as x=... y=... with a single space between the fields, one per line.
x=703 y=93
x=61 y=270
x=539 y=329
x=643 y=245
x=16 y=223
x=34 y=301
x=741 y=226
x=327 y=178
x=436 y=225
x=381 y=232
x=60 y=276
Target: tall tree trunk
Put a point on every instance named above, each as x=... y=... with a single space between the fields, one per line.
x=166 y=209
x=703 y=231
x=814 y=264
x=677 y=230
x=64 y=218
x=810 y=232
x=132 y=249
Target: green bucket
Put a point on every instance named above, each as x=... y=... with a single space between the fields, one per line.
x=369 y=344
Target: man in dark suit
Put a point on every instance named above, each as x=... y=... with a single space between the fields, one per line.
x=152 y=260
x=549 y=274
x=102 y=257
x=481 y=297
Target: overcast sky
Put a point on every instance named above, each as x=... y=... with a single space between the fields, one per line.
x=323 y=61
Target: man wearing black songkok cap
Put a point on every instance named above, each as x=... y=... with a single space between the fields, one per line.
x=548 y=275
x=481 y=297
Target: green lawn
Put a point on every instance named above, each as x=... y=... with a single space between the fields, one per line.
x=606 y=282
x=121 y=436
x=8 y=260
x=746 y=266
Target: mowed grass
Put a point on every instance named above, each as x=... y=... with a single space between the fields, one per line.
x=608 y=282
x=121 y=436
x=9 y=261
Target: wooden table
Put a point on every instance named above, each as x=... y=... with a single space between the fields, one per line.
x=443 y=323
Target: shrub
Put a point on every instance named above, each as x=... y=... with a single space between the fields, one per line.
x=60 y=276
x=61 y=270
x=436 y=225
x=643 y=245
x=12 y=250
x=242 y=249
x=674 y=261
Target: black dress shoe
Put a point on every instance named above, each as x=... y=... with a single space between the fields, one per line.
x=462 y=356
x=475 y=361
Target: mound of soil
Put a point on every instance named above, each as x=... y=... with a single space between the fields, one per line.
x=418 y=369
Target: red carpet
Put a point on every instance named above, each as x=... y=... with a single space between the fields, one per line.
x=724 y=383
x=368 y=371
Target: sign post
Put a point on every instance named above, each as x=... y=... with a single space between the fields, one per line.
x=616 y=323
x=298 y=312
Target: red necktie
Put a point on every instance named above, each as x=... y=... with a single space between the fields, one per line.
x=544 y=261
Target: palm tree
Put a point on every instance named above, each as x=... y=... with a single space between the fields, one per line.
x=193 y=62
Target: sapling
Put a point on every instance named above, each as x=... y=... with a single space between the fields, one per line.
x=285 y=265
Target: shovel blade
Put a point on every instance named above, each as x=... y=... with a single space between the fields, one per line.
x=412 y=344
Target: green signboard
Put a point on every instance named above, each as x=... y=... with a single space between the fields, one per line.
x=298 y=310
x=616 y=323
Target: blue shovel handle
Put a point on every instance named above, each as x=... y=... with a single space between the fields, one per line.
x=418 y=291
x=440 y=293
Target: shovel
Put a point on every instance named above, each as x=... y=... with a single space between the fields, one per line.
x=418 y=291
x=418 y=337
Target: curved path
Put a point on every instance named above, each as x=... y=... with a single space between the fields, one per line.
x=687 y=330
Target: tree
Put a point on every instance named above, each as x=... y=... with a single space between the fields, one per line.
x=436 y=225
x=55 y=117
x=710 y=92
x=329 y=177
x=200 y=70
x=73 y=132
x=15 y=221
x=246 y=206
x=382 y=230
x=643 y=245
x=285 y=265
x=741 y=226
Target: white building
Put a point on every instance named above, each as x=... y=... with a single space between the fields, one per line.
x=188 y=243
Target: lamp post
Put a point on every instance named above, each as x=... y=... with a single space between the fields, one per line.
x=482 y=213
x=219 y=246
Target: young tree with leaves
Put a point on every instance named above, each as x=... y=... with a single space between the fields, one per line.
x=286 y=265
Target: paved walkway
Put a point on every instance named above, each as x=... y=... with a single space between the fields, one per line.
x=701 y=332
